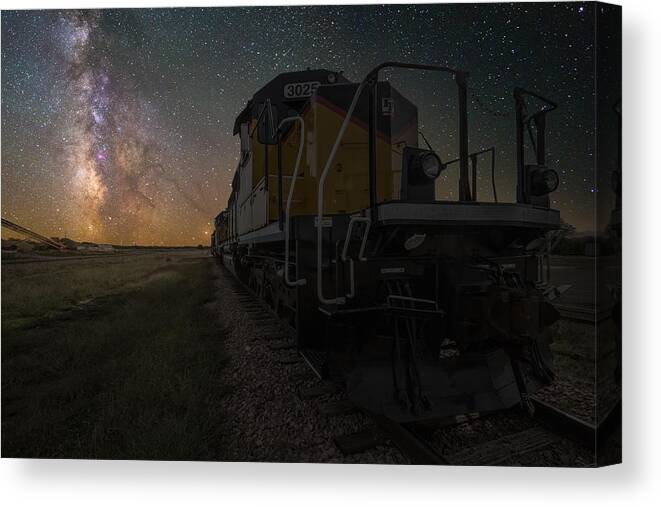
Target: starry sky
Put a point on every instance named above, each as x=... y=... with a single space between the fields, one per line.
x=117 y=124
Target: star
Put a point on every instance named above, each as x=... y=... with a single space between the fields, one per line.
x=129 y=114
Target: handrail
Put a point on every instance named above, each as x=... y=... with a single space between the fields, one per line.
x=473 y=156
x=301 y=144
x=460 y=78
x=267 y=105
x=320 y=196
x=520 y=92
x=361 y=252
x=523 y=121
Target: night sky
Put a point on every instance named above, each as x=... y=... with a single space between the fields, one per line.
x=117 y=124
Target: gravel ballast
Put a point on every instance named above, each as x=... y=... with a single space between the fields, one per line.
x=266 y=417
x=270 y=415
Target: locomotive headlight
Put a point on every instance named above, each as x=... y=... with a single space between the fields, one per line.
x=332 y=78
x=430 y=165
x=544 y=181
x=420 y=169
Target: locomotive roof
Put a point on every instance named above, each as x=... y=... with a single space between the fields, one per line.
x=274 y=90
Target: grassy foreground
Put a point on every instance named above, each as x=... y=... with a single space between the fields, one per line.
x=131 y=376
x=38 y=291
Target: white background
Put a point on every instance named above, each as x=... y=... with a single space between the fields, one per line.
x=636 y=482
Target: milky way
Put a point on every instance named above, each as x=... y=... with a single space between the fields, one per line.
x=117 y=124
x=108 y=150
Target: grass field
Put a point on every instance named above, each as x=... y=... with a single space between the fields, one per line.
x=112 y=359
x=37 y=291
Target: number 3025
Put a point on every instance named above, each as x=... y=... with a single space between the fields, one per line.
x=298 y=90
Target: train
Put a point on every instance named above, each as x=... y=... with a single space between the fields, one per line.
x=423 y=308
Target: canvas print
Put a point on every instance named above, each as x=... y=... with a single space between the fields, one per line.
x=381 y=234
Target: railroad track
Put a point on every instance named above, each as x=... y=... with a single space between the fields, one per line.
x=583 y=313
x=549 y=424
x=552 y=425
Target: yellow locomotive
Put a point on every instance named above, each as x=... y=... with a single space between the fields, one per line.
x=424 y=308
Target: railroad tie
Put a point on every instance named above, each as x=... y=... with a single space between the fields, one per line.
x=501 y=449
x=298 y=376
x=318 y=389
x=261 y=318
x=270 y=338
x=290 y=359
x=273 y=335
x=288 y=345
x=337 y=408
x=360 y=441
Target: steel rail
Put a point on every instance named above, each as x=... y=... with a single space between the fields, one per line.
x=563 y=423
x=583 y=314
x=555 y=420
x=408 y=442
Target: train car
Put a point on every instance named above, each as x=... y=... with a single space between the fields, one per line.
x=220 y=233
x=424 y=308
